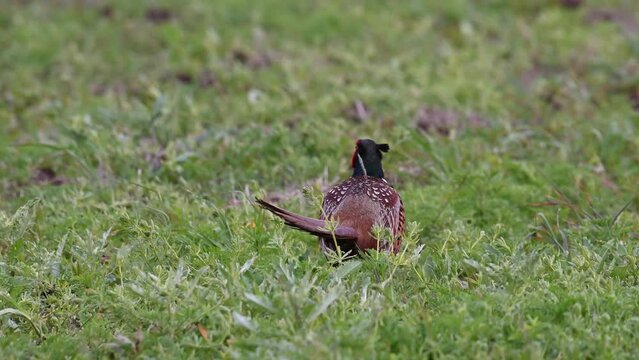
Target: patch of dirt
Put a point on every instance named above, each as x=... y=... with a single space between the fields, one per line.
x=206 y=79
x=357 y=112
x=47 y=176
x=158 y=15
x=537 y=71
x=184 y=77
x=98 y=89
x=253 y=60
x=443 y=122
x=553 y=97
x=293 y=121
x=571 y=4
x=102 y=89
x=431 y=120
x=106 y=11
x=203 y=79
x=625 y=19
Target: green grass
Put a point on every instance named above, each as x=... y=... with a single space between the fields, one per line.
x=131 y=149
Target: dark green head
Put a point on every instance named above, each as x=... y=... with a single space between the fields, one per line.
x=367 y=158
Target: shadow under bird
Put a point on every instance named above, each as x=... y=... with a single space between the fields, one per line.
x=357 y=205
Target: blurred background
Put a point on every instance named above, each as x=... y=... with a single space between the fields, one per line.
x=224 y=94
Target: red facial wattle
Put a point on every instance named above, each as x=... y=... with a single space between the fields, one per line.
x=354 y=157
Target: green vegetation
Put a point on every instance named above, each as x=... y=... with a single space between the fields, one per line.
x=136 y=134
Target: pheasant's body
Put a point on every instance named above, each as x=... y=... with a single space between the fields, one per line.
x=358 y=205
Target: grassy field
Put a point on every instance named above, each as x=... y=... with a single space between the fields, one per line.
x=135 y=135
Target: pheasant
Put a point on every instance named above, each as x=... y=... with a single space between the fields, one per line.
x=357 y=205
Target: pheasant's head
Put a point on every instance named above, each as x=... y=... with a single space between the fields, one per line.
x=367 y=158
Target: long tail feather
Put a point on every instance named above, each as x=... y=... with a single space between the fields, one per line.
x=310 y=225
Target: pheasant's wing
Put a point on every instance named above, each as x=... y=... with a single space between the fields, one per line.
x=333 y=198
x=393 y=218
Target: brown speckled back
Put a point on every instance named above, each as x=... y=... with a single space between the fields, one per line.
x=361 y=202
